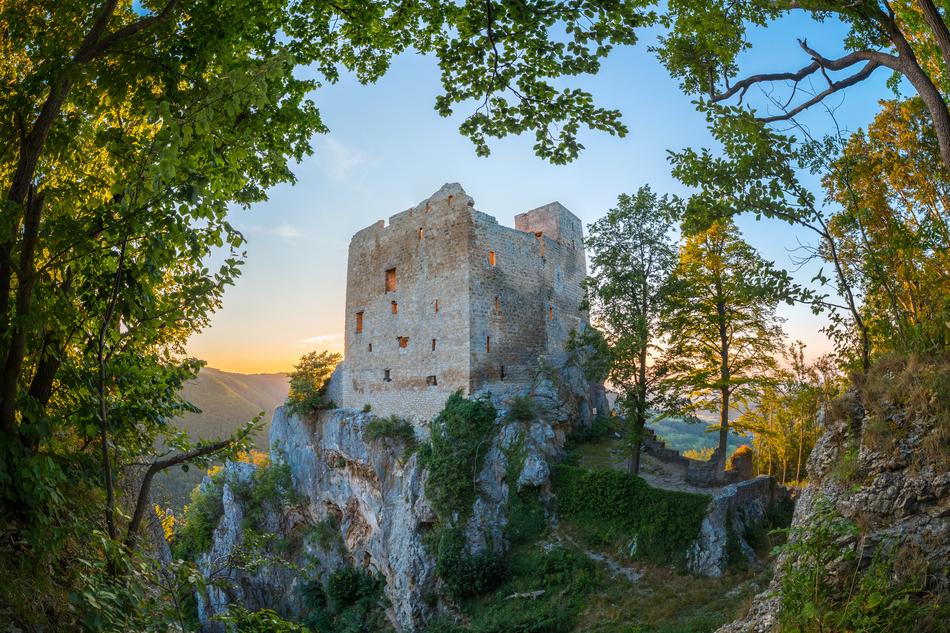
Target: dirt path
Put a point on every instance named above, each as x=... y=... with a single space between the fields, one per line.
x=631 y=574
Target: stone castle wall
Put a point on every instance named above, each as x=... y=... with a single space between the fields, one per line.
x=476 y=303
x=525 y=304
x=428 y=248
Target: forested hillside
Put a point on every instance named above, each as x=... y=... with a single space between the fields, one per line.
x=226 y=401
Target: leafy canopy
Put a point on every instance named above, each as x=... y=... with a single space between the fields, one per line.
x=308 y=382
x=632 y=257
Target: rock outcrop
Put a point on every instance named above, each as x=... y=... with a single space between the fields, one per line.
x=734 y=512
x=371 y=493
x=898 y=495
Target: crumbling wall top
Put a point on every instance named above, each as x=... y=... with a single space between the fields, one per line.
x=449 y=198
x=553 y=220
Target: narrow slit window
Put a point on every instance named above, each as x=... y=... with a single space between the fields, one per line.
x=421 y=233
x=550 y=313
x=391 y=280
x=502 y=372
x=403 y=341
x=433 y=345
x=487 y=343
x=491 y=258
x=387 y=377
x=369 y=347
x=359 y=322
x=431 y=381
x=395 y=307
x=436 y=306
x=497 y=306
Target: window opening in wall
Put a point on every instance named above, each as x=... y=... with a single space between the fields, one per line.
x=395 y=307
x=497 y=306
x=386 y=376
x=491 y=258
x=550 y=313
x=369 y=348
x=502 y=372
x=431 y=381
x=541 y=243
x=391 y=280
x=403 y=341
x=436 y=306
x=487 y=343
x=359 y=322
x=433 y=345
x=420 y=233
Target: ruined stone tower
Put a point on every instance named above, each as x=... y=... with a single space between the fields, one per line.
x=445 y=298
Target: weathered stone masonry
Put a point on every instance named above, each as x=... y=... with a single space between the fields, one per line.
x=445 y=298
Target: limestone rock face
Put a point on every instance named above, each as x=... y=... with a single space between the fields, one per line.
x=373 y=496
x=898 y=501
x=228 y=584
x=736 y=508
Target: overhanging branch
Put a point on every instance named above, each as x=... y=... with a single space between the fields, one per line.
x=820 y=63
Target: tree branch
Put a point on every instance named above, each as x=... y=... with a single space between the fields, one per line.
x=157 y=466
x=820 y=63
x=92 y=49
x=938 y=26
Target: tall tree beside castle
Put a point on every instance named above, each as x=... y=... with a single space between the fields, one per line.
x=632 y=256
x=721 y=324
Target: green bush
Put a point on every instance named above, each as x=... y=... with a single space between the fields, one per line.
x=465 y=574
x=608 y=505
x=348 y=585
x=459 y=440
x=393 y=427
x=240 y=620
x=522 y=409
x=564 y=577
x=193 y=534
x=327 y=534
x=525 y=512
x=270 y=485
x=308 y=382
x=352 y=603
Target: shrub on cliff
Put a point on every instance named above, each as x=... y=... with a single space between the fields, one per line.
x=194 y=532
x=308 y=382
x=826 y=586
x=352 y=602
x=608 y=505
x=459 y=440
x=460 y=437
x=393 y=427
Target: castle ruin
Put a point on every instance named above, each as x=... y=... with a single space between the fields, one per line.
x=444 y=298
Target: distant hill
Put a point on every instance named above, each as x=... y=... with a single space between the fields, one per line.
x=227 y=400
x=681 y=435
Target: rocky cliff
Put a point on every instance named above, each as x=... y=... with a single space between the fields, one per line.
x=361 y=502
x=872 y=528
x=354 y=497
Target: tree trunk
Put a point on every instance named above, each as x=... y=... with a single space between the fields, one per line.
x=910 y=68
x=723 y=385
x=13 y=363
x=801 y=448
x=641 y=420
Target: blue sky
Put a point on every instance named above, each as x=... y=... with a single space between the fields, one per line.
x=388 y=149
